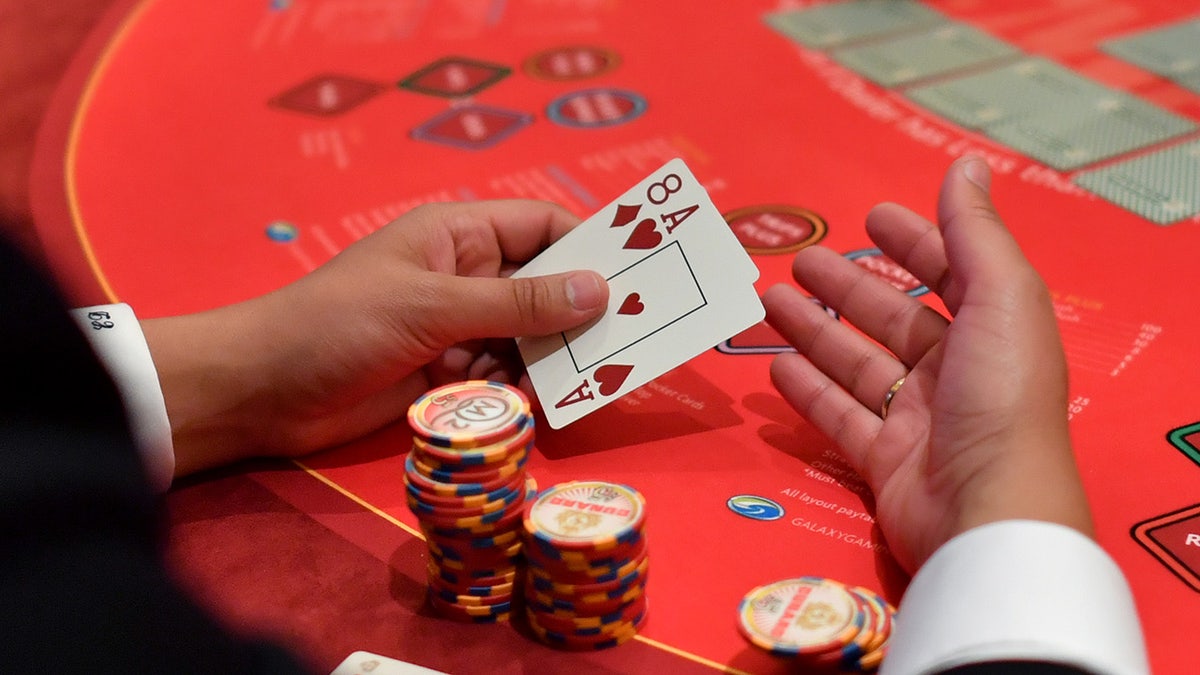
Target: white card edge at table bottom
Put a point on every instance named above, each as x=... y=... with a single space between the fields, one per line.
x=382 y=665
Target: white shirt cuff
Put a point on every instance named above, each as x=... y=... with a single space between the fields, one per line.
x=1018 y=590
x=116 y=337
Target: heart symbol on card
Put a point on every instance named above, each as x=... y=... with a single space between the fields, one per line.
x=611 y=377
x=632 y=305
x=644 y=235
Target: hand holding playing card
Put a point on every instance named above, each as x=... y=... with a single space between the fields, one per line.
x=344 y=350
x=679 y=284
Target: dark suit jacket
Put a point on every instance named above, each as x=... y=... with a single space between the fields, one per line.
x=82 y=584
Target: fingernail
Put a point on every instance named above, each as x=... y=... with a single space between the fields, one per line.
x=583 y=291
x=976 y=170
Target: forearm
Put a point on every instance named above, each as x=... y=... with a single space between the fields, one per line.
x=1035 y=482
x=1007 y=451
x=214 y=371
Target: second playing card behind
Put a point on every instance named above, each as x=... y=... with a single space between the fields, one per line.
x=679 y=282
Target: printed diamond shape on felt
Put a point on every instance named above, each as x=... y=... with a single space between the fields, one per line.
x=1186 y=439
x=472 y=127
x=1174 y=539
x=1163 y=186
x=327 y=95
x=454 y=77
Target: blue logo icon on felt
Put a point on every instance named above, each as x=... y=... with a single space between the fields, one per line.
x=755 y=507
x=282 y=231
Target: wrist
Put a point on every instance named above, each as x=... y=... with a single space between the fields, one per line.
x=1034 y=480
x=215 y=372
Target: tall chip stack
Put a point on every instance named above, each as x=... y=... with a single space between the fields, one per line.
x=586 y=564
x=465 y=481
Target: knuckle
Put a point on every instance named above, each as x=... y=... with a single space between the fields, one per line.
x=531 y=300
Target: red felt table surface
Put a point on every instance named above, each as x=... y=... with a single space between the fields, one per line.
x=201 y=155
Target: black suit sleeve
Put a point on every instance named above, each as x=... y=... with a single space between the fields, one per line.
x=82 y=584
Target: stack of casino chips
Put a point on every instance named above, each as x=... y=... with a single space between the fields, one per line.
x=586 y=564
x=818 y=622
x=465 y=481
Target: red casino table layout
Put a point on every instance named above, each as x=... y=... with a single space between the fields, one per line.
x=198 y=156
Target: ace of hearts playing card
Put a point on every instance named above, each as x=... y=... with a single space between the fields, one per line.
x=679 y=283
